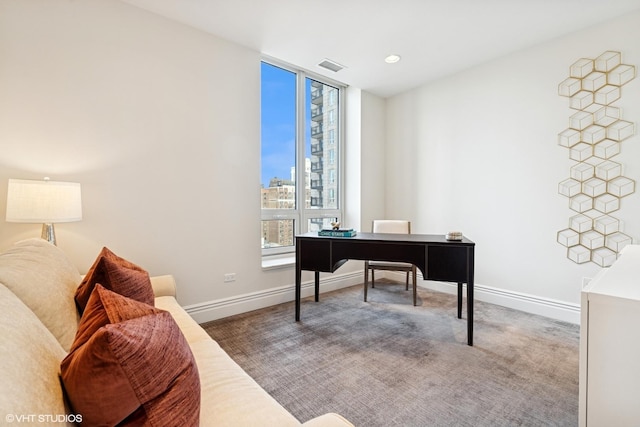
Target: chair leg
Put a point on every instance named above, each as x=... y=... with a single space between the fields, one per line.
x=415 y=287
x=373 y=278
x=407 y=282
x=366 y=280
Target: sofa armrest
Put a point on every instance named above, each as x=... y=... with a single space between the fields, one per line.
x=164 y=286
x=328 y=420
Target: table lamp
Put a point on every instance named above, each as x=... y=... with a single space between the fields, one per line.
x=46 y=202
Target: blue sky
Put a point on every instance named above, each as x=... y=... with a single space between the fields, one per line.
x=278 y=123
x=278 y=103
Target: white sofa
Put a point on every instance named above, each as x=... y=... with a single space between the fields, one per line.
x=38 y=320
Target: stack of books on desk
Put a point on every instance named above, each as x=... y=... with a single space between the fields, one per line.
x=340 y=232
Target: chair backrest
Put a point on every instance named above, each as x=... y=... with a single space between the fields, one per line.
x=391 y=226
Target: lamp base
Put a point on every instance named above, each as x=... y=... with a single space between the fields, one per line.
x=49 y=233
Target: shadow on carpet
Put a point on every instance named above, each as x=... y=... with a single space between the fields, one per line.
x=388 y=363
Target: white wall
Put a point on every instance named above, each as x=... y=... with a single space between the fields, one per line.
x=373 y=198
x=478 y=152
x=157 y=121
x=353 y=158
x=160 y=123
x=365 y=163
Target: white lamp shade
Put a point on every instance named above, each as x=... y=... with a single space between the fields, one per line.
x=43 y=201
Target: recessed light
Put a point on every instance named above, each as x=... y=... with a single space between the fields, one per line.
x=392 y=59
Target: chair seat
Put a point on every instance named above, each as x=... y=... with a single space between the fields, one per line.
x=385 y=265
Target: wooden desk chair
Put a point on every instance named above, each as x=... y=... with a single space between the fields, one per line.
x=397 y=227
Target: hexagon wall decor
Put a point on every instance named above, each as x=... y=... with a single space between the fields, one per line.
x=596 y=183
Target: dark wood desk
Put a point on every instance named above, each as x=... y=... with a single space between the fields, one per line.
x=436 y=257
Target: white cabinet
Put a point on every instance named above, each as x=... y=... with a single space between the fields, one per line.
x=610 y=345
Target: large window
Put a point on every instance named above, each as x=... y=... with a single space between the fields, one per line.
x=300 y=173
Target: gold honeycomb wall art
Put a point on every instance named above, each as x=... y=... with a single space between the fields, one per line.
x=596 y=183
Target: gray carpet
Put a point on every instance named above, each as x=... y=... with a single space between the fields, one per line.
x=388 y=363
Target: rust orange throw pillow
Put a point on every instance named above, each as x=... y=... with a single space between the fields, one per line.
x=130 y=365
x=116 y=274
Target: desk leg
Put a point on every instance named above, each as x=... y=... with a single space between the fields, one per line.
x=470 y=313
x=298 y=286
x=317 y=280
x=459 y=300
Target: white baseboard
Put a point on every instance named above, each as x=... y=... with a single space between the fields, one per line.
x=212 y=310
x=553 y=309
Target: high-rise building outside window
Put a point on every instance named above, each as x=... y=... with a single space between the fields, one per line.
x=301 y=177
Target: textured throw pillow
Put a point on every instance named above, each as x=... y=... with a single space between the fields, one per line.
x=42 y=276
x=130 y=365
x=117 y=274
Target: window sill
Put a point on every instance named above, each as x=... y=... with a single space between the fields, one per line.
x=276 y=262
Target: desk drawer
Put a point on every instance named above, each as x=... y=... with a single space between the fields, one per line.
x=315 y=254
x=448 y=263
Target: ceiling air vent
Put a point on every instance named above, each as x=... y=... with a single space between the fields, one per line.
x=330 y=65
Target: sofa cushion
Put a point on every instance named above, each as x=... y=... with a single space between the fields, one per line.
x=232 y=397
x=130 y=364
x=44 y=279
x=117 y=274
x=191 y=330
x=30 y=362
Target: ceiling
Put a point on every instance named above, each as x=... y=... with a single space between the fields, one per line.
x=435 y=38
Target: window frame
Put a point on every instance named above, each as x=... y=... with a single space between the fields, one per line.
x=301 y=215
